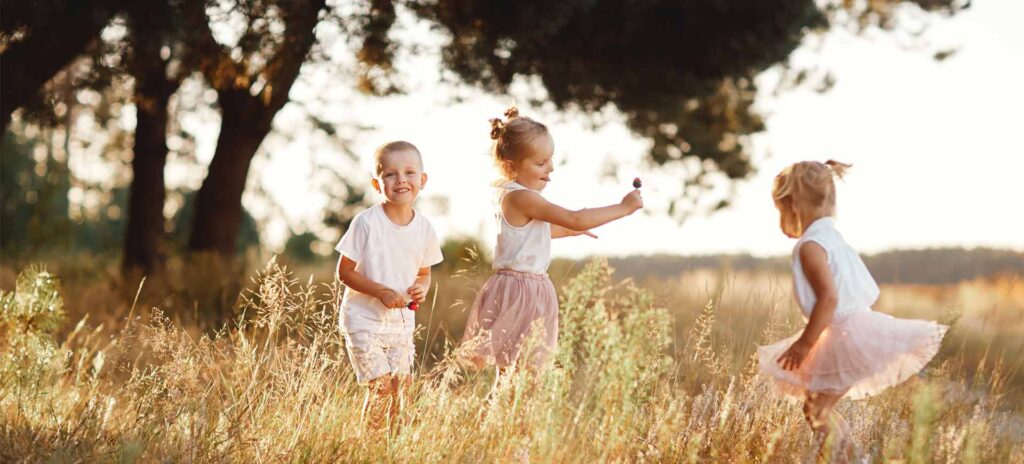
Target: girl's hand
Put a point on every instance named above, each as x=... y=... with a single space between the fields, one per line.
x=633 y=201
x=794 y=356
x=390 y=298
x=573 y=233
x=417 y=292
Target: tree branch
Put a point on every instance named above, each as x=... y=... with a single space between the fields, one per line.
x=27 y=65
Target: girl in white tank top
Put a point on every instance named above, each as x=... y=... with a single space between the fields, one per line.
x=847 y=349
x=526 y=248
x=514 y=319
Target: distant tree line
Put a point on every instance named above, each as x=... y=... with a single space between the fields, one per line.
x=932 y=266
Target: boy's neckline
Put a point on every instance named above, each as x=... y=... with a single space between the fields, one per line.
x=384 y=210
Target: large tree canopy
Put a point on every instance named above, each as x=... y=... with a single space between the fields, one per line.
x=661 y=63
x=39 y=38
x=680 y=71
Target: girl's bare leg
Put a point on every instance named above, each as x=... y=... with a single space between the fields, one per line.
x=831 y=432
x=499 y=373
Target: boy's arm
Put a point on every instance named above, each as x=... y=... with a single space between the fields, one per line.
x=353 y=279
x=419 y=289
x=558 y=231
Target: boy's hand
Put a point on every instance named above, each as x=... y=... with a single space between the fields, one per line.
x=633 y=201
x=417 y=292
x=390 y=298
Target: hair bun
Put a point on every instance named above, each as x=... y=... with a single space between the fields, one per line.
x=512 y=112
x=497 y=128
x=838 y=169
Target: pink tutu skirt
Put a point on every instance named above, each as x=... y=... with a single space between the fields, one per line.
x=860 y=354
x=513 y=309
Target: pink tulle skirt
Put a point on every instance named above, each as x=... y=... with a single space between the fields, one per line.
x=513 y=310
x=860 y=354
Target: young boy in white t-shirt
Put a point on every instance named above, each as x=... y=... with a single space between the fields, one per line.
x=386 y=255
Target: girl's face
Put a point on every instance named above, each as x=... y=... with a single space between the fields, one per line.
x=401 y=177
x=534 y=170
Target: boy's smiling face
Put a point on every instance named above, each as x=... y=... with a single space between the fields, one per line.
x=400 y=176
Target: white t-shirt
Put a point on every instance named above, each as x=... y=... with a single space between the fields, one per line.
x=391 y=255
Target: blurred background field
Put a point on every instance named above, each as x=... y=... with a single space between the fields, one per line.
x=979 y=291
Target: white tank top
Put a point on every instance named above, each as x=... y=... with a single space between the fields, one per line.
x=526 y=248
x=855 y=288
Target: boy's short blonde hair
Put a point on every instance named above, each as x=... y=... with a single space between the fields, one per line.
x=803 y=188
x=391 y=147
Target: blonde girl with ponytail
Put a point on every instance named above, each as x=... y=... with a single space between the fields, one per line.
x=847 y=350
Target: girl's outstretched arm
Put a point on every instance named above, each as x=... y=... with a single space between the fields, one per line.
x=558 y=231
x=534 y=206
x=814 y=261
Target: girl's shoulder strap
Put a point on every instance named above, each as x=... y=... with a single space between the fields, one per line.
x=509 y=187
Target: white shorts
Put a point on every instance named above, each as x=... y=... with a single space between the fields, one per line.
x=373 y=354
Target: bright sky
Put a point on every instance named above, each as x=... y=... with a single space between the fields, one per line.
x=936 y=149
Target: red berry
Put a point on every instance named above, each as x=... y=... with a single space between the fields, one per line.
x=414 y=305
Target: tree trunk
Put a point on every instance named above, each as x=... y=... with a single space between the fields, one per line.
x=29 y=64
x=149 y=33
x=218 y=210
x=246 y=118
x=145 y=229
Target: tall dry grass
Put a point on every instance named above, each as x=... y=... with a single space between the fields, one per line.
x=635 y=381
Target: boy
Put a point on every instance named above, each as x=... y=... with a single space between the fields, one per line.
x=386 y=255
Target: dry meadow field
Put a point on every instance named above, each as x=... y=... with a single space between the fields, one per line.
x=654 y=371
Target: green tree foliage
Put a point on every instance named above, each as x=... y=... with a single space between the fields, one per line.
x=680 y=71
x=299 y=247
x=35 y=184
x=34 y=206
x=38 y=38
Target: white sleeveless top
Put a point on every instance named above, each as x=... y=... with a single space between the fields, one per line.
x=855 y=287
x=526 y=248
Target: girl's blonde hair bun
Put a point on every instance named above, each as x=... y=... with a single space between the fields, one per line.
x=514 y=138
x=838 y=169
x=497 y=128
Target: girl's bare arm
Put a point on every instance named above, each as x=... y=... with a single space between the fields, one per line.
x=814 y=261
x=534 y=206
x=558 y=231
